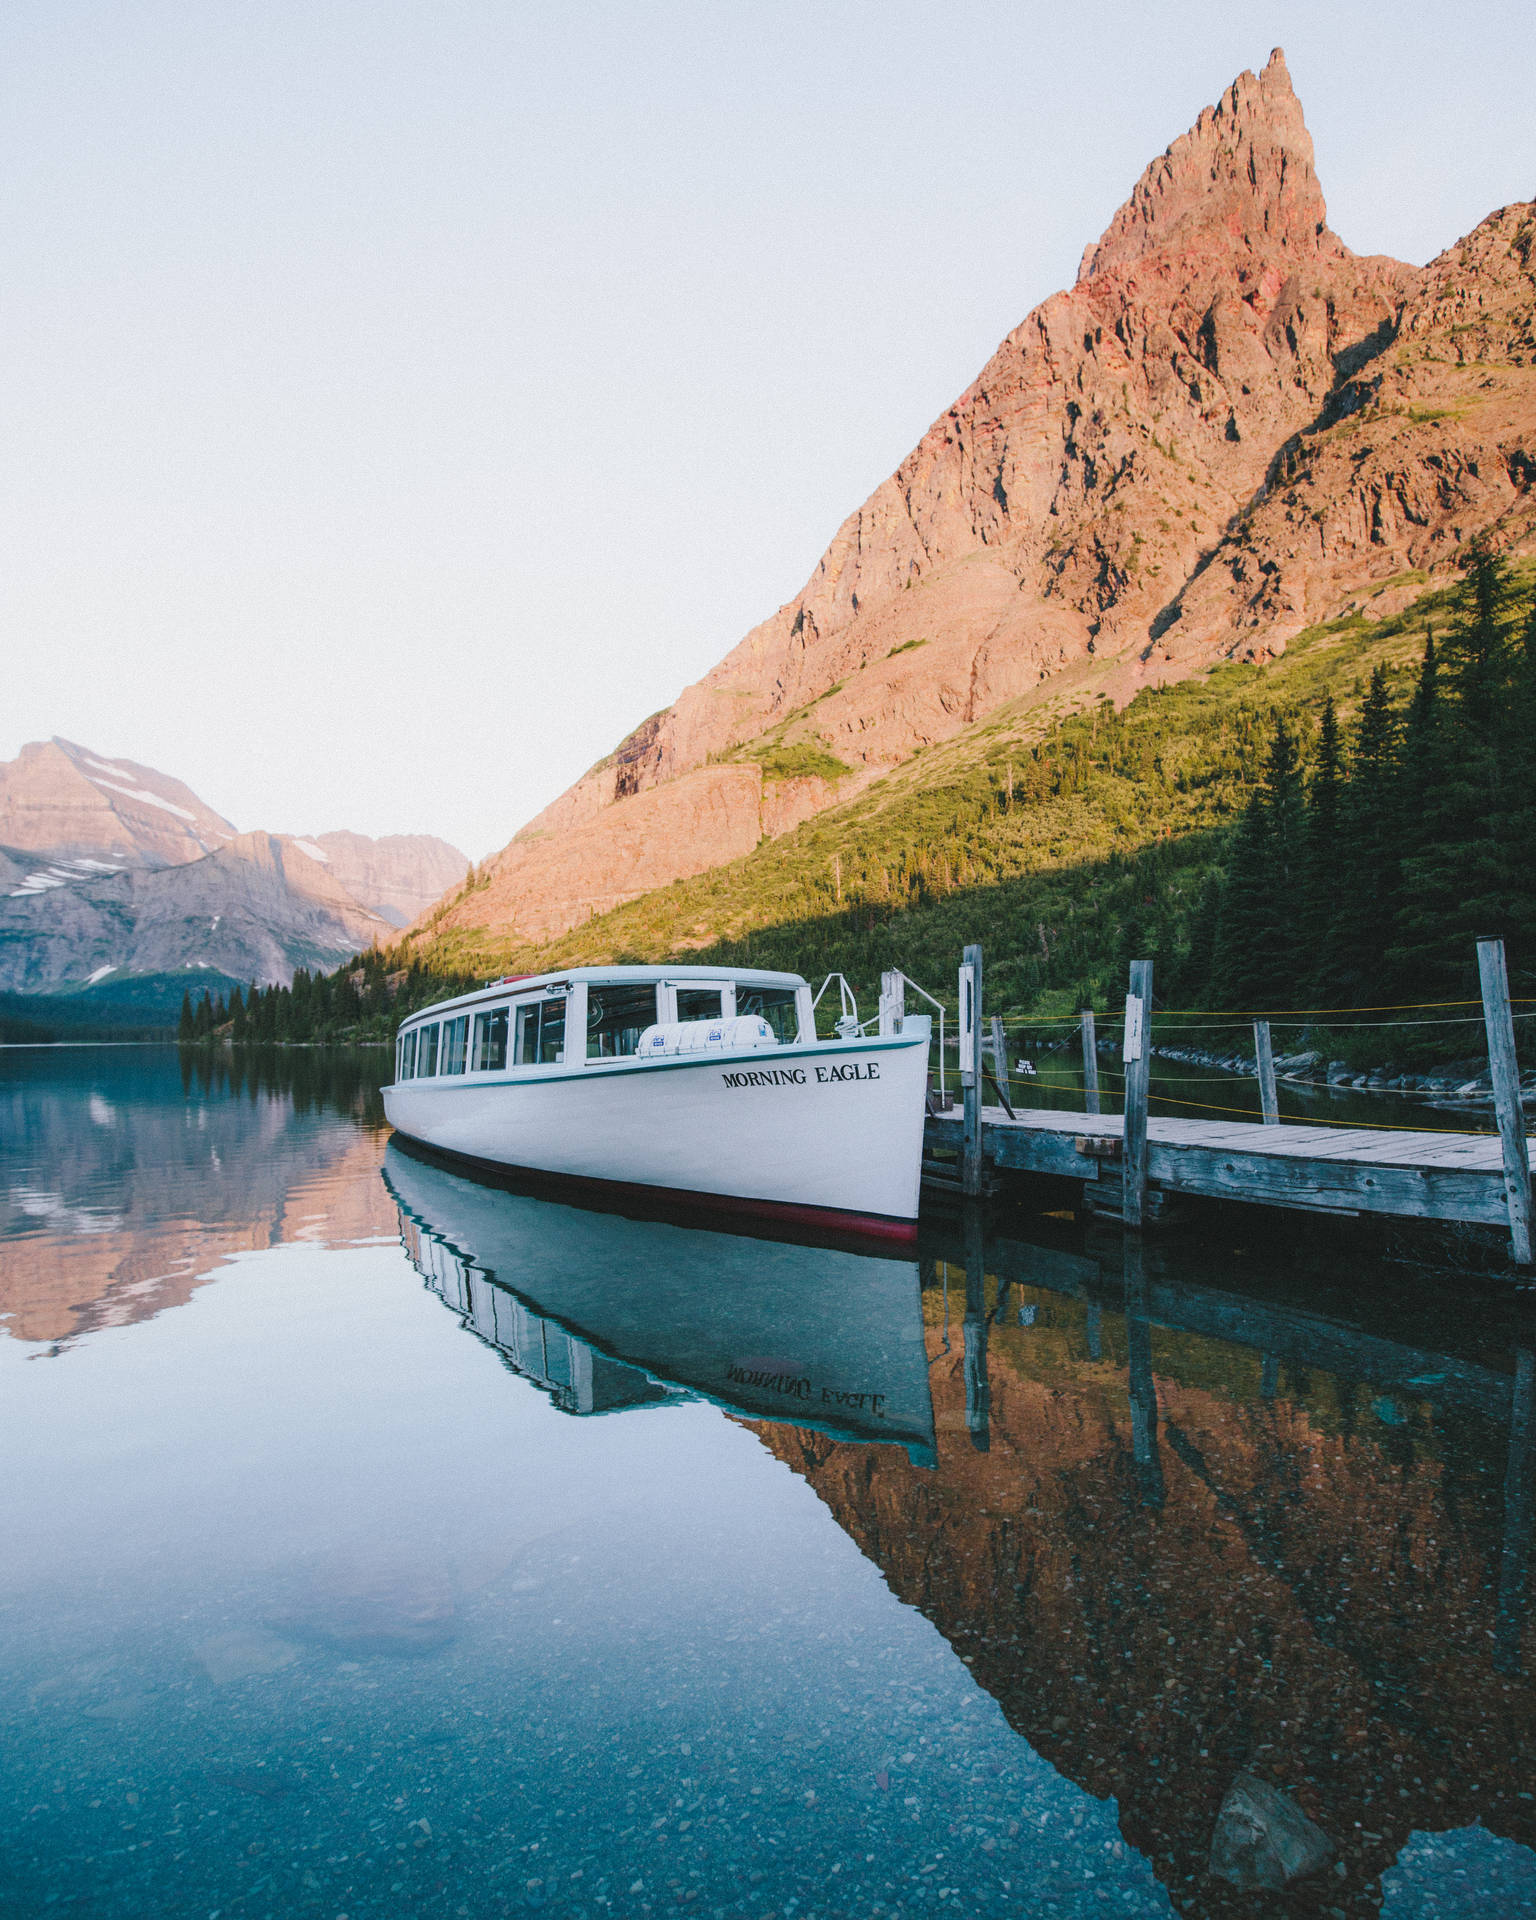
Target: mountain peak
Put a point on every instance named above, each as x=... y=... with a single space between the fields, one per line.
x=1241 y=180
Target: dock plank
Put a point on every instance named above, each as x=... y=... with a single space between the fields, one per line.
x=1303 y=1165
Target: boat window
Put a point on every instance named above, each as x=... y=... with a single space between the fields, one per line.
x=698 y=1003
x=490 y=1054
x=426 y=1050
x=776 y=1005
x=455 y=1041
x=616 y=1018
x=540 y=1033
x=407 y=1066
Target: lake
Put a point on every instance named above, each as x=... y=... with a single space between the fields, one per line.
x=378 y=1543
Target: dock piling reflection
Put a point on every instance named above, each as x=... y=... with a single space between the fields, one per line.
x=1143 y=1389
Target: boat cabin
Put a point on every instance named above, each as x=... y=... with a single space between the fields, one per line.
x=589 y=1014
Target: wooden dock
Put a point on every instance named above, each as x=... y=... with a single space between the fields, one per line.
x=1131 y=1167
x=1317 y=1169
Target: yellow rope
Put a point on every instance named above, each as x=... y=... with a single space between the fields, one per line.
x=1262 y=1013
x=1371 y=1126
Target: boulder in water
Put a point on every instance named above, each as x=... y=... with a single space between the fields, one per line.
x=1263 y=1839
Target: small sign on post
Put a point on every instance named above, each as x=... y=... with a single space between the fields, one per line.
x=1133 y=1019
x=968 y=1021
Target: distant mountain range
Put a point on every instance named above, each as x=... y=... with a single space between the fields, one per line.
x=111 y=871
x=1230 y=431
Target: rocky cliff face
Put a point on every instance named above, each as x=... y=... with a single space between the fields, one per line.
x=396 y=877
x=107 y=867
x=1229 y=428
x=74 y=809
x=254 y=910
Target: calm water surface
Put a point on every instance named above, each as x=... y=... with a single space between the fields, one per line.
x=374 y=1543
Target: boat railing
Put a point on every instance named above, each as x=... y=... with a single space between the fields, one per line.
x=849 y=1026
x=899 y=980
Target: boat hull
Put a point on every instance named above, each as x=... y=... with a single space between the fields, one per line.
x=831 y=1132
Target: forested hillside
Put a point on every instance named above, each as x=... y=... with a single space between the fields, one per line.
x=1330 y=829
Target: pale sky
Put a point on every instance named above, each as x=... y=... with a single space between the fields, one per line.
x=398 y=401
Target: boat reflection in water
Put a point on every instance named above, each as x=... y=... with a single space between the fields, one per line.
x=606 y=1312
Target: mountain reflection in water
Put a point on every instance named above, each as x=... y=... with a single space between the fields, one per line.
x=1182 y=1533
x=133 y=1174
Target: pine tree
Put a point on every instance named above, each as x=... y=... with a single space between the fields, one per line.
x=1367 y=880
x=1242 y=912
x=1285 y=801
x=1258 y=941
x=1516 y=818
x=1459 y=872
x=1323 y=981
x=184 y=1026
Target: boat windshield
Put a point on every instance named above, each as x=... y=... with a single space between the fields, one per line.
x=616 y=1018
x=776 y=1005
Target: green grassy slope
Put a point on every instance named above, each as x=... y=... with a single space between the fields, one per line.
x=1063 y=844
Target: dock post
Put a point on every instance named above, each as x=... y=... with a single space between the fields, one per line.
x=1090 y=1064
x=1505 y=1072
x=1268 y=1099
x=999 y=1042
x=1136 y=1057
x=970 y=1070
x=893 y=1002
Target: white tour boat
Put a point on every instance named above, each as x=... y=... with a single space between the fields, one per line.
x=700 y=1083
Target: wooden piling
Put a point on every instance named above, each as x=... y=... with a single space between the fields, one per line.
x=1268 y=1100
x=1136 y=1059
x=970 y=1070
x=1505 y=1070
x=998 y=1041
x=1090 y=1064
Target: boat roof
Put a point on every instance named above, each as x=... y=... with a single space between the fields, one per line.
x=514 y=984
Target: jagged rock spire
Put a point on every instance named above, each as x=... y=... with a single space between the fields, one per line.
x=1243 y=173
